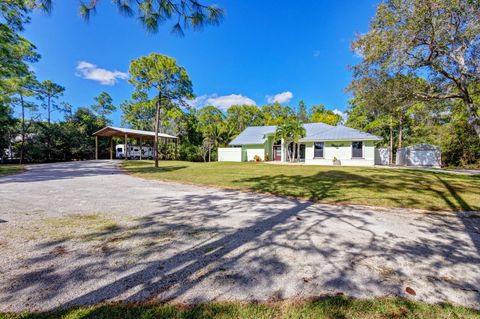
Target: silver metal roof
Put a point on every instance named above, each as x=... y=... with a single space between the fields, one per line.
x=314 y=132
x=253 y=135
x=340 y=133
x=133 y=132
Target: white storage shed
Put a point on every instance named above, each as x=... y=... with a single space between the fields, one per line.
x=419 y=155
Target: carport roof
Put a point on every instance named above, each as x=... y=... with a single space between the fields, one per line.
x=111 y=131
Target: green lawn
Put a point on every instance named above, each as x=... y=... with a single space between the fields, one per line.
x=8 y=169
x=332 y=307
x=331 y=184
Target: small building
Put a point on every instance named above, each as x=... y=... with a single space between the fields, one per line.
x=322 y=145
x=382 y=156
x=419 y=155
x=126 y=134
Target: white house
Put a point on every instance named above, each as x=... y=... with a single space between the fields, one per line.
x=322 y=144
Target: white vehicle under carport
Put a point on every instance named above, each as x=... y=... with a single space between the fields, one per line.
x=133 y=152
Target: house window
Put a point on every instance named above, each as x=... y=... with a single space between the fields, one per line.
x=357 y=149
x=318 y=149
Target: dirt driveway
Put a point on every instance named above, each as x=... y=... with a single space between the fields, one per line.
x=84 y=232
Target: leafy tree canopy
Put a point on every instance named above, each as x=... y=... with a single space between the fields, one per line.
x=104 y=105
x=151 y=13
x=436 y=38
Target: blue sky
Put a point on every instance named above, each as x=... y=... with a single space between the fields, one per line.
x=263 y=50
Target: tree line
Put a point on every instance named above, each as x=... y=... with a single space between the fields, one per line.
x=417 y=82
x=419 y=77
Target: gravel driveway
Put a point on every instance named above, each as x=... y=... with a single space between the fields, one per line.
x=84 y=232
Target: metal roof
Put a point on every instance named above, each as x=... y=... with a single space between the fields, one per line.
x=253 y=135
x=314 y=132
x=340 y=133
x=120 y=132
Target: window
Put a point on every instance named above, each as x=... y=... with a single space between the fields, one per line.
x=357 y=149
x=318 y=149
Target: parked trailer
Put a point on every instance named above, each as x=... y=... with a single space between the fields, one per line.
x=133 y=152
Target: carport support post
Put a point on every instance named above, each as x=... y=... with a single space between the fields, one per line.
x=126 y=148
x=111 y=148
x=141 y=149
x=96 y=147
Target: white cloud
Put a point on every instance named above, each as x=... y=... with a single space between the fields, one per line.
x=283 y=97
x=316 y=53
x=222 y=102
x=344 y=115
x=90 y=71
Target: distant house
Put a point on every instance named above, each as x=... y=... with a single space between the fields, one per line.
x=322 y=144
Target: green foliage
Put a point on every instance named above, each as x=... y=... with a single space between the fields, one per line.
x=48 y=94
x=302 y=112
x=170 y=81
x=291 y=132
x=7 y=121
x=16 y=13
x=104 y=105
x=66 y=140
x=276 y=113
x=139 y=112
x=241 y=116
x=187 y=13
x=320 y=114
x=210 y=124
x=327 y=307
x=161 y=73
x=439 y=39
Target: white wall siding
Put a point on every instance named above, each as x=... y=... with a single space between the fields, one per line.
x=249 y=152
x=382 y=156
x=342 y=150
x=229 y=154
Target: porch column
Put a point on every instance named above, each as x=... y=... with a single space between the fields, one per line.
x=96 y=147
x=141 y=148
x=282 y=148
x=126 y=147
x=111 y=148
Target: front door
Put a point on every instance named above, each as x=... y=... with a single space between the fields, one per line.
x=302 y=152
x=277 y=153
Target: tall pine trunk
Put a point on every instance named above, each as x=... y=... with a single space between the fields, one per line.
x=157 y=119
x=48 y=130
x=390 y=151
x=23 y=129
x=400 y=129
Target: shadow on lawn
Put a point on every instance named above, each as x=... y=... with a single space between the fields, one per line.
x=348 y=187
x=227 y=243
x=150 y=169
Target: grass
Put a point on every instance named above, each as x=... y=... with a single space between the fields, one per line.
x=407 y=188
x=329 y=307
x=9 y=169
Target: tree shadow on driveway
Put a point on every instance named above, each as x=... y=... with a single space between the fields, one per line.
x=233 y=245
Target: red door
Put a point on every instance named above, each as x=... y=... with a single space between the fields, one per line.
x=277 y=153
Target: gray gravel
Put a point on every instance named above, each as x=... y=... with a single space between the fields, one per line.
x=83 y=232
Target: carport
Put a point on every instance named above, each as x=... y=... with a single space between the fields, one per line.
x=126 y=133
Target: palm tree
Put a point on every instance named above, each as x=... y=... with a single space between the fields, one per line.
x=228 y=133
x=291 y=132
x=298 y=132
x=284 y=132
